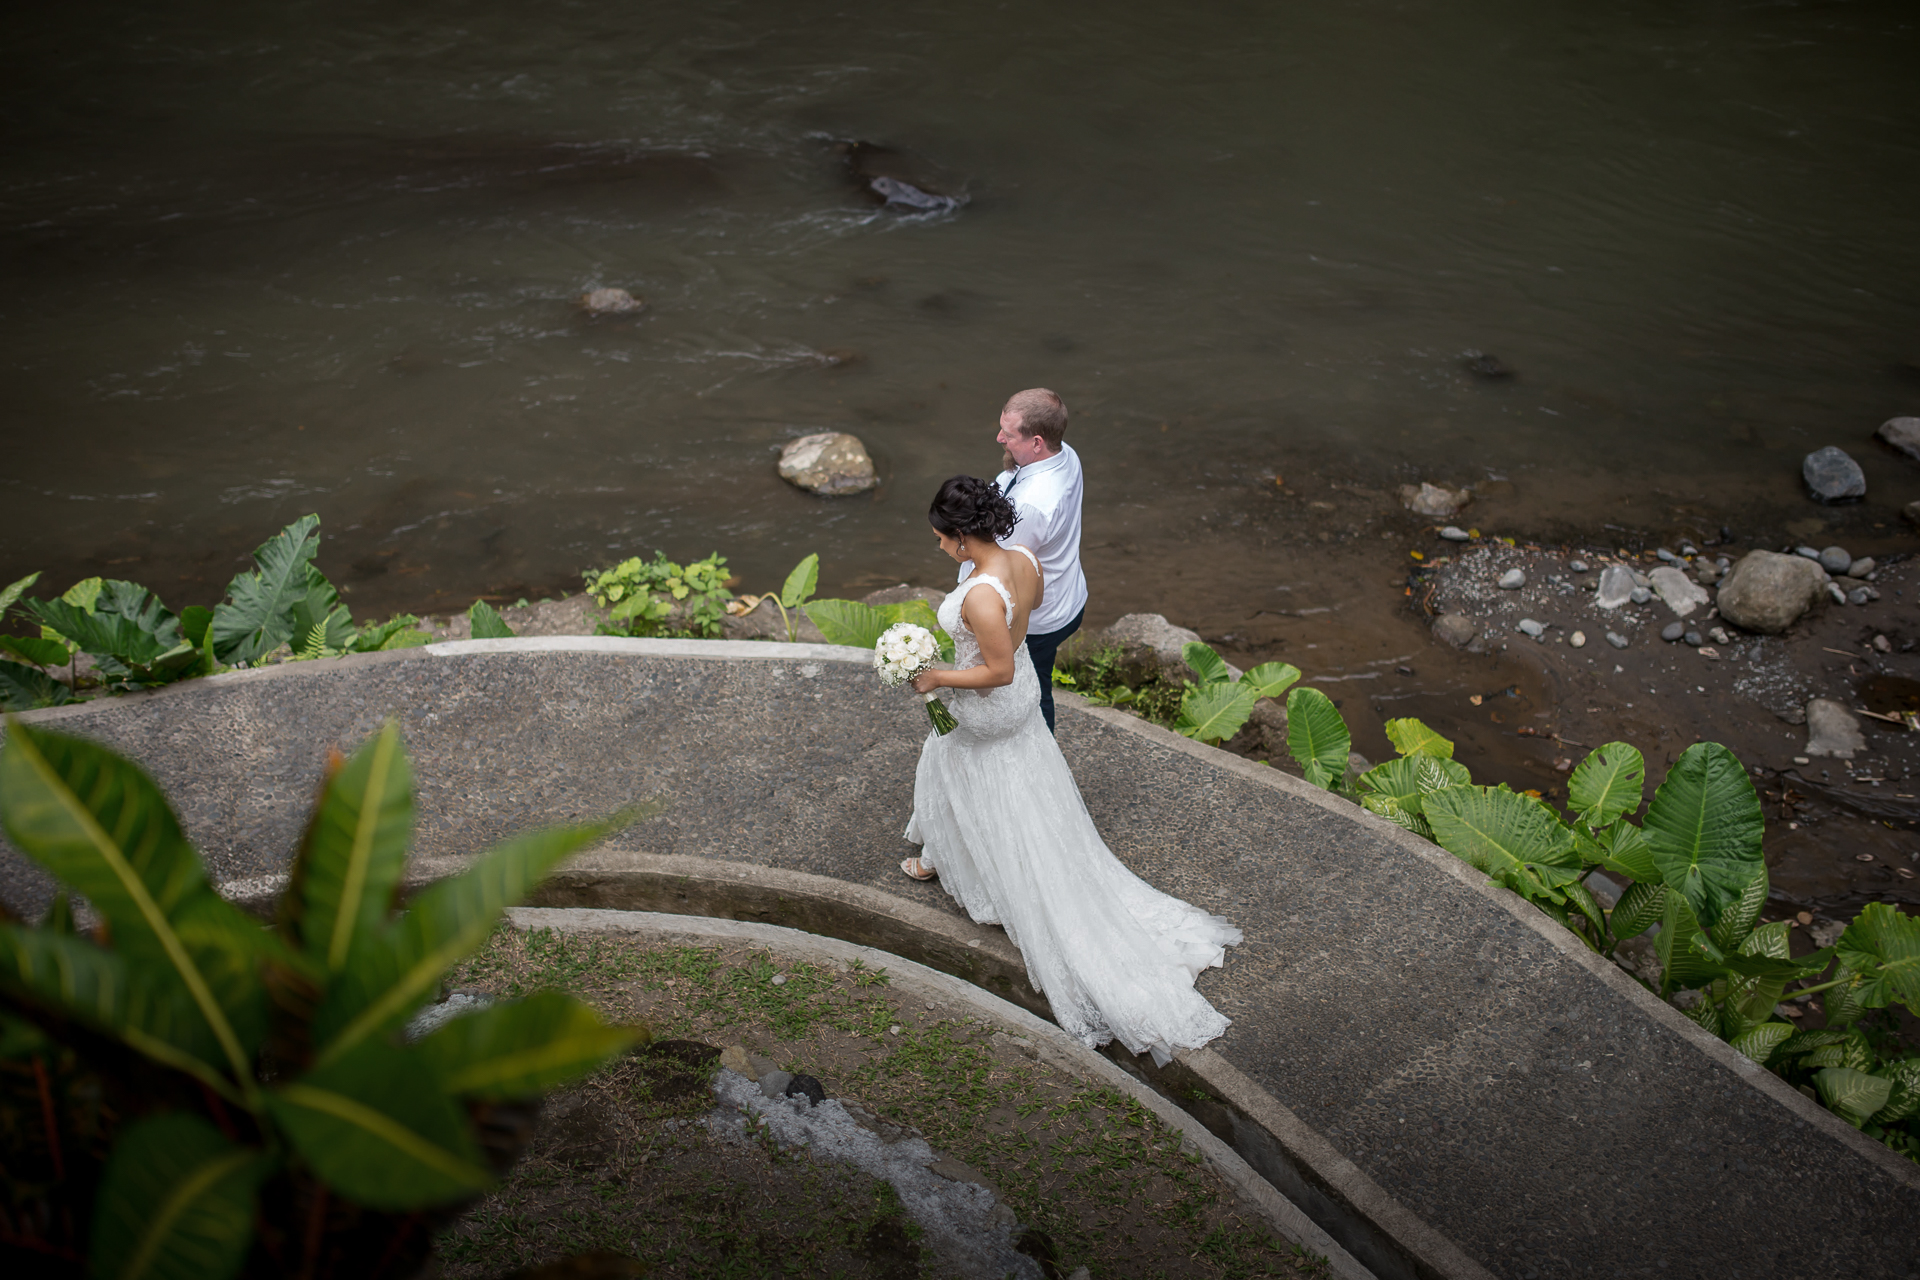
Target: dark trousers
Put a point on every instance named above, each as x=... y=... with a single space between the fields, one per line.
x=1042 y=648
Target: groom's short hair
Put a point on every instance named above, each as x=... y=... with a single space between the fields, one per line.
x=1042 y=414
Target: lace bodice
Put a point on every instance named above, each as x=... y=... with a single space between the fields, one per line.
x=966 y=646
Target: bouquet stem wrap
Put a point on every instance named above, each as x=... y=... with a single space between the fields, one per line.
x=903 y=652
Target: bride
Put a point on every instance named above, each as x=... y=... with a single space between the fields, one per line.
x=999 y=818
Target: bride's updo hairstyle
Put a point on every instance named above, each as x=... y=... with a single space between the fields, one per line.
x=967 y=507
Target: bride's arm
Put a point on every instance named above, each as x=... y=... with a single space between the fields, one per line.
x=987 y=616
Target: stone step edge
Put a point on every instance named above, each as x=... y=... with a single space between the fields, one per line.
x=1051 y=1045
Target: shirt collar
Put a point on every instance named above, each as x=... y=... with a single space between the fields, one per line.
x=1043 y=466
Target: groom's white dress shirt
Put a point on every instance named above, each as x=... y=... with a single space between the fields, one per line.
x=1046 y=495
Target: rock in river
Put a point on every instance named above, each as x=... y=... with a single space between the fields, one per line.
x=1832 y=476
x=1903 y=434
x=1616 y=587
x=1529 y=627
x=1682 y=595
x=1434 y=500
x=1768 y=592
x=1672 y=632
x=610 y=302
x=1832 y=730
x=832 y=462
x=1835 y=560
x=1513 y=580
x=1455 y=629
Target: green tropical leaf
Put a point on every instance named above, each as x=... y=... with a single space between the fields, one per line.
x=1640 y=906
x=68 y=975
x=801 y=583
x=1317 y=737
x=1271 y=679
x=1621 y=849
x=1736 y=922
x=487 y=622
x=354 y=853
x=376 y=1126
x=196 y=622
x=1758 y=1043
x=131 y=634
x=1842 y=1004
x=176 y=1202
x=848 y=622
x=1397 y=779
x=24 y=688
x=392 y=973
x=1904 y=1101
x=1704 y=828
x=1214 y=712
x=1412 y=738
x=1607 y=784
x=38 y=650
x=1706 y=1015
x=1581 y=899
x=1682 y=962
x=1852 y=1095
x=1882 y=945
x=318 y=620
x=257 y=617
x=101 y=826
x=1807 y=1041
x=382 y=634
x=11 y=593
x=1754 y=995
x=84 y=593
x=523 y=1048
x=1208 y=665
x=1393 y=811
x=1515 y=839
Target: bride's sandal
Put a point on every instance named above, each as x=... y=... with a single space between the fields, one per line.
x=917 y=870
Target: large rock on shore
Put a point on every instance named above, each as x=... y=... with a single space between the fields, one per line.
x=1152 y=632
x=1903 y=434
x=1832 y=730
x=1833 y=476
x=1437 y=501
x=831 y=463
x=1768 y=592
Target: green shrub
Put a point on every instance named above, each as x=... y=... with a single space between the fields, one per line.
x=187 y=1094
x=659 y=597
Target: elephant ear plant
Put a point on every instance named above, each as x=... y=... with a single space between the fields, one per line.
x=186 y=1093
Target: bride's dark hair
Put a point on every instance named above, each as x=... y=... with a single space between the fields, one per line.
x=971 y=508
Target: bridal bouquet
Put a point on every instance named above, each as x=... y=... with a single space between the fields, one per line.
x=903 y=652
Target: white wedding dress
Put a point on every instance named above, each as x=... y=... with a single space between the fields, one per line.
x=997 y=812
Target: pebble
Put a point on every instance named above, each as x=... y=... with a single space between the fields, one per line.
x=1640 y=595
x=1721 y=636
x=1882 y=645
x=1803 y=760
x=1836 y=560
x=1578 y=639
x=1577 y=566
x=1861 y=595
x=1809 y=552
x=894 y=1030
x=1839 y=596
x=779 y=979
x=1694 y=638
x=1454 y=533
x=1513 y=580
x=1862 y=567
x=1673 y=631
x=1688 y=549
x=1668 y=556
x=1532 y=628
x=1617 y=640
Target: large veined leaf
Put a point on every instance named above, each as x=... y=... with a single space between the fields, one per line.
x=1758 y=1043
x=1882 y=945
x=354 y=853
x=1639 y=908
x=24 y=688
x=101 y=826
x=394 y=633
x=1736 y=922
x=1393 y=811
x=1841 y=1003
x=176 y=1202
x=318 y=621
x=1904 y=1101
x=487 y=622
x=257 y=616
x=1408 y=779
x=848 y=622
x=1607 y=784
x=1682 y=962
x=1852 y=1095
x=1581 y=899
x=378 y=1128
x=1317 y=737
x=1214 y=712
x=1205 y=663
x=801 y=583
x=11 y=593
x=1623 y=849
x=1412 y=738
x=523 y=1048
x=391 y=973
x=1704 y=828
x=1515 y=839
x=131 y=634
x=70 y=976
x=1271 y=679
x=38 y=650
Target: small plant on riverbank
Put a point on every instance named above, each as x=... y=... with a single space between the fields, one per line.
x=1110 y=677
x=188 y=1095
x=1217 y=703
x=661 y=598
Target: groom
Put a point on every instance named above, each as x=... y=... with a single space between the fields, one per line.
x=1043 y=482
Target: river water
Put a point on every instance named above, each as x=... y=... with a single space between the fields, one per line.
x=300 y=258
